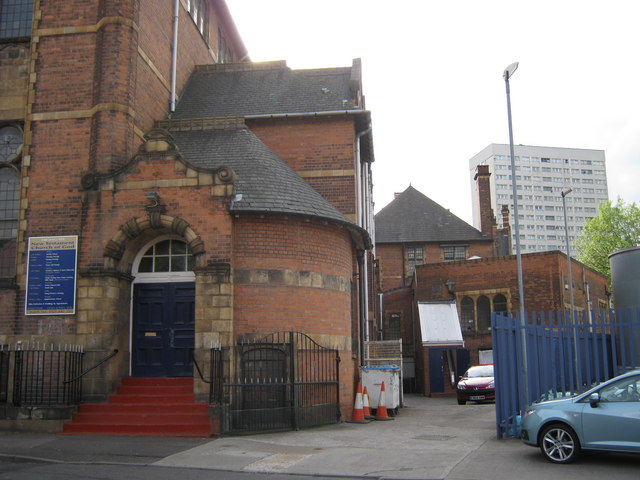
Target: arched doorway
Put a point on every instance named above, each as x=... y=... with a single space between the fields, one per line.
x=163 y=309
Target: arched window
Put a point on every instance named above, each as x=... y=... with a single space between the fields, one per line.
x=166 y=259
x=484 y=314
x=9 y=202
x=467 y=314
x=499 y=303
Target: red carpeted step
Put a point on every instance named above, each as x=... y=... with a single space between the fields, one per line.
x=145 y=407
x=105 y=408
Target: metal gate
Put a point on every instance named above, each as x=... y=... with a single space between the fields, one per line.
x=546 y=357
x=283 y=381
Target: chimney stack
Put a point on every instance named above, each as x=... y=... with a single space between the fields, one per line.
x=487 y=219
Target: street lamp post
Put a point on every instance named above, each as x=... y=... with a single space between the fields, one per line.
x=571 y=320
x=508 y=73
x=564 y=193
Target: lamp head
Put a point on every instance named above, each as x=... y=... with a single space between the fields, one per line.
x=510 y=70
x=566 y=192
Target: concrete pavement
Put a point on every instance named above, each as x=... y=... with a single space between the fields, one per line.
x=431 y=438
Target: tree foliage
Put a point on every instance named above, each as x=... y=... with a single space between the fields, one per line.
x=614 y=228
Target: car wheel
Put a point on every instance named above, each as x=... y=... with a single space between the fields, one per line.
x=462 y=402
x=559 y=443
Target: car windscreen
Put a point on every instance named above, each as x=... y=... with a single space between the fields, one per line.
x=480 y=371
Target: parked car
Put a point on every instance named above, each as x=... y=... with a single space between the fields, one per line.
x=606 y=417
x=476 y=385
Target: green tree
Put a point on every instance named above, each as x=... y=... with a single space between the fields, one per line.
x=614 y=228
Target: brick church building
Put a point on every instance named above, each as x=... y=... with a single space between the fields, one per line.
x=208 y=200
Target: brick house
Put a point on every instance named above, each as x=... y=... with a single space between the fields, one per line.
x=230 y=199
x=411 y=231
x=427 y=255
x=485 y=285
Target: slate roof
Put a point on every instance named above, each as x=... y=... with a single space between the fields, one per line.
x=267 y=89
x=266 y=183
x=217 y=98
x=413 y=217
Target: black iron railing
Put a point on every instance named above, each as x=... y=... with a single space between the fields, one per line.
x=279 y=382
x=4 y=373
x=42 y=375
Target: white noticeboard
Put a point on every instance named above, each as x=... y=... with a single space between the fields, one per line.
x=439 y=324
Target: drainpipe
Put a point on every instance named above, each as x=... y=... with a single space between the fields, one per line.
x=363 y=307
x=174 y=55
x=361 y=211
x=381 y=307
x=360 y=182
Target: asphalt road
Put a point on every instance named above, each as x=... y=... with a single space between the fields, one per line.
x=431 y=438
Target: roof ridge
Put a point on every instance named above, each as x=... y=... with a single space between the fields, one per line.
x=326 y=71
x=204 y=123
x=243 y=67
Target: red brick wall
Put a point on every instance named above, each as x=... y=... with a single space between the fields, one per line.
x=393 y=263
x=110 y=66
x=282 y=242
x=391 y=260
x=401 y=302
x=207 y=216
x=279 y=246
x=325 y=145
x=543 y=273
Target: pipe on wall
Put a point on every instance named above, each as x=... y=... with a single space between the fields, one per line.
x=174 y=55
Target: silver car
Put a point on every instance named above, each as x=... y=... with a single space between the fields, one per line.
x=606 y=418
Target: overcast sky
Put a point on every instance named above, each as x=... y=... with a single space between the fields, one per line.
x=432 y=78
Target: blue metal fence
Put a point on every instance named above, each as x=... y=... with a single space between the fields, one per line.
x=551 y=355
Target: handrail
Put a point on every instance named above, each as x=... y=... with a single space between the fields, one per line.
x=112 y=354
x=195 y=362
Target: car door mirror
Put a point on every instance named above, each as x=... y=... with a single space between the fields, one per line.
x=594 y=399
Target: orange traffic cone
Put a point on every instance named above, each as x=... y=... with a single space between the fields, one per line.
x=358 y=411
x=381 y=411
x=366 y=404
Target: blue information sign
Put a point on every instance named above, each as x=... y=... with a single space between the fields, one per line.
x=51 y=276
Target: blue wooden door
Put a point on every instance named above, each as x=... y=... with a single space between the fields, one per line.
x=163 y=329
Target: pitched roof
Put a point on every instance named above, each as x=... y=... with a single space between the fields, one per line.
x=267 y=89
x=219 y=97
x=413 y=217
x=266 y=183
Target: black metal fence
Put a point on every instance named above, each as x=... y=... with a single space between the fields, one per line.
x=283 y=381
x=40 y=375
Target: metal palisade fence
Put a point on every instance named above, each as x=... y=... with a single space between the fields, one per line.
x=556 y=354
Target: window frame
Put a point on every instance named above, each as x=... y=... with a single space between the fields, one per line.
x=160 y=277
x=8 y=258
x=455 y=253
x=411 y=251
x=25 y=21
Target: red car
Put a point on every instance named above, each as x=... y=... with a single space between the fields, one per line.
x=476 y=385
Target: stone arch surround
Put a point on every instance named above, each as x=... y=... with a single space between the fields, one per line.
x=121 y=249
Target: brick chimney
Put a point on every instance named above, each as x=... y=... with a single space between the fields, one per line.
x=504 y=233
x=487 y=219
x=505 y=217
